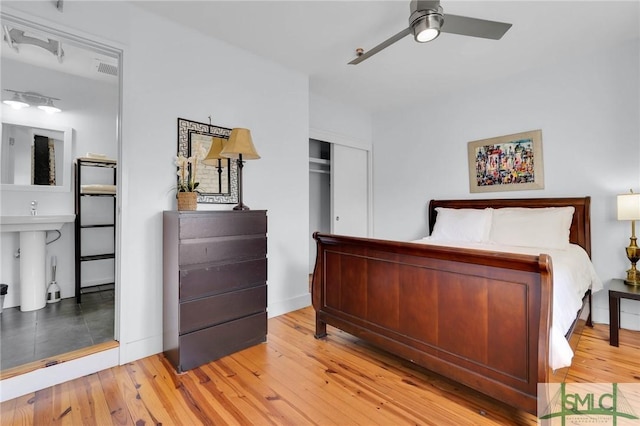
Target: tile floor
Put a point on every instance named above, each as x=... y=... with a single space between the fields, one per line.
x=57 y=328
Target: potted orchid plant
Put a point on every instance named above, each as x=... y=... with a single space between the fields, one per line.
x=187 y=187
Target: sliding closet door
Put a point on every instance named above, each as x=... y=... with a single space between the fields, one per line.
x=349 y=191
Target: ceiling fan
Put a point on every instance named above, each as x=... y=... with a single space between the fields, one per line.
x=427 y=21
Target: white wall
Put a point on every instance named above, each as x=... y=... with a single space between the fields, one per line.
x=338 y=123
x=195 y=81
x=587 y=108
x=170 y=72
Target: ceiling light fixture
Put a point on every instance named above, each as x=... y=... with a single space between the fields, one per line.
x=49 y=107
x=426 y=24
x=17 y=102
x=21 y=100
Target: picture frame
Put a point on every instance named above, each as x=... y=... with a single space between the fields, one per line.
x=506 y=163
x=215 y=186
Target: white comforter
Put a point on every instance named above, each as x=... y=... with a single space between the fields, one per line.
x=573 y=275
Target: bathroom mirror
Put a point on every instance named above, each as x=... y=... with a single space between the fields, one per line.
x=35 y=158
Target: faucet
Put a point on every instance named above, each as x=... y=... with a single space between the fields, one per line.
x=34 y=208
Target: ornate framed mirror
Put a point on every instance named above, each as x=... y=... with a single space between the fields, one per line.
x=218 y=178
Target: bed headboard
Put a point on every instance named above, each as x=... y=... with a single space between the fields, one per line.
x=580 y=232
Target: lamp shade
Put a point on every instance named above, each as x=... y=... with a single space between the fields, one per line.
x=629 y=206
x=240 y=143
x=214 y=152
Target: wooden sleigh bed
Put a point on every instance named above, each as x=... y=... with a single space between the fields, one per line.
x=480 y=318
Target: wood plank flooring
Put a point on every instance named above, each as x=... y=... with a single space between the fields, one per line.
x=294 y=379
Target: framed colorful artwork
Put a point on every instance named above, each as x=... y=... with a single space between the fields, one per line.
x=506 y=163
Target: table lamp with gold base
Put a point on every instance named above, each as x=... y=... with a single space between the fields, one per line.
x=629 y=209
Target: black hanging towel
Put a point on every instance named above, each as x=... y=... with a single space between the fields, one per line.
x=40 y=160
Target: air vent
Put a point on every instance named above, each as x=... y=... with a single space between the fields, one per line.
x=105 y=68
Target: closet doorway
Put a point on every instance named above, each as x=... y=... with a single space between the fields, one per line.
x=339 y=191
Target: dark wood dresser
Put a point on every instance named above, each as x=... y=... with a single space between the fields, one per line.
x=214 y=284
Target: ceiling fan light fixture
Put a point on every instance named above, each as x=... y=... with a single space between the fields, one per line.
x=426 y=22
x=427 y=27
x=427 y=35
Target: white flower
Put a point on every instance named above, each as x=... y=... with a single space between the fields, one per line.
x=181 y=160
x=187 y=181
x=183 y=172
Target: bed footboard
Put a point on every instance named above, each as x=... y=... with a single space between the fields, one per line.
x=480 y=318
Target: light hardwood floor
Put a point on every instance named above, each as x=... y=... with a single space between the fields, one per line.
x=295 y=379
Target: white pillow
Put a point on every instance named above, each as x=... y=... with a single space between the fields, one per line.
x=532 y=227
x=468 y=225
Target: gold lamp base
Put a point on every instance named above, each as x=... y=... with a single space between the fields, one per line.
x=633 y=275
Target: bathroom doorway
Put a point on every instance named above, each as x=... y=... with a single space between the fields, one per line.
x=82 y=78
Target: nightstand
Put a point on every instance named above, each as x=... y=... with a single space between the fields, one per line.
x=618 y=290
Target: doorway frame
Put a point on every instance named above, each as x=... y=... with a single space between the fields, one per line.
x=98 y=357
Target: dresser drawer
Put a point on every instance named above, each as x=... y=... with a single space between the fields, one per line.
x=207 y=250
x=221 y=224
x=210 y=344
x=212 y=310
x=223 y=278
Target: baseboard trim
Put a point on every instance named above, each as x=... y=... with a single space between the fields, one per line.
x=289 y=305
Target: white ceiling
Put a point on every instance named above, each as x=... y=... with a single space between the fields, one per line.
x=319 y=38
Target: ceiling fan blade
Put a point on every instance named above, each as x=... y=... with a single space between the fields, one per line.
x=388 y=42
x=473 y=27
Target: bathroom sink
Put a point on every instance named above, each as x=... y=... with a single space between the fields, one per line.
x=34 y=223
x=33 y=234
